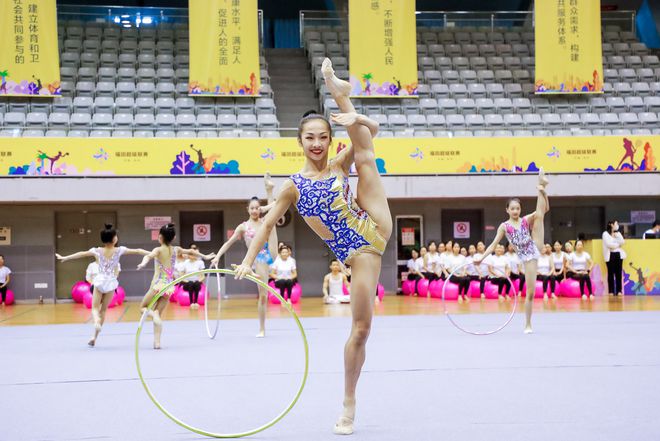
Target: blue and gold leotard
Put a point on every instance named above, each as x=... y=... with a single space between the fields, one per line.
x=328 y=208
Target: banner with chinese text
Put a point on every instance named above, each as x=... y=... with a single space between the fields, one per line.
x=568 y=47
x=283 y=156
x=224 y=48
x=29 y=58
x=383 y=48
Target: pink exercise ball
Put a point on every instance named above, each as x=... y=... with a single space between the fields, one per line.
x=423 y=287
x=174 y=298
x=435 y=288
x=381 y=292
x=296 y=293
x=121 y=294
x=114 y=301
x=451 y=291
x=475 y=289
x=271 y=297
x=538 y=289
x=9 y=297
x=490 y=290
x=569 y=288
x=183 y=298
x=87 y=300
x=201 y=298
x=408 y=287
x=79 y=289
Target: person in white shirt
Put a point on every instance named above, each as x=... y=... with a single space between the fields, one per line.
x=613 y=254
x=516 y=265
x=414 y=268
x=432 y=262
x=653 y=232
x=480 y=270
x=559 y=267
x=545 y=270
x=4 y=279
x=90 y=274
x=499 y=270
x=448 y=251
x=455 y=263
x=333 y=285
x=284 y=273
x=580 y=266
x=193 y=284
x=421 y=261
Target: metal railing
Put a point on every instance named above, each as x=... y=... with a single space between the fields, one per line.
x=485 y=20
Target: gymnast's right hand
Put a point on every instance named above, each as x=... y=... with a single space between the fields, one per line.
x=215 y=261
x=241 y=271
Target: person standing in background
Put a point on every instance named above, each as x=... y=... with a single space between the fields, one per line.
x=653 y=232
x=4 y=279
x=614 y=254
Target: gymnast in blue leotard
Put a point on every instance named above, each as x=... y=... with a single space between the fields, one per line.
x=355 y=230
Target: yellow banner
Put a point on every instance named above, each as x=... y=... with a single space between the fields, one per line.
x=641 y=267
x=283 y=156
x=568 y=46
x=224 y=48
x=383 y=48
x=29 y=59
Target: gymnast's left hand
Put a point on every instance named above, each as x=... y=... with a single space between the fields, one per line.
x=241 y=271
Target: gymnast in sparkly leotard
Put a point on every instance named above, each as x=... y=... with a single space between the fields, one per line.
x=164 y=262
x=356 y=231
x=248 y=230
x=525 y=233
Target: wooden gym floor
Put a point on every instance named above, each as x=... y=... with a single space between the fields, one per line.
x=241 y=307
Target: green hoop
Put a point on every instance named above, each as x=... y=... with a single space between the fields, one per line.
x=195 y=429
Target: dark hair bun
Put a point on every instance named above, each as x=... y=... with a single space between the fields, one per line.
x=310 y=112
x=108 y=226
x=170 y=225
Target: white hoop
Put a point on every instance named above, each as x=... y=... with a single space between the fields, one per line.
x=467 y=331
x=206 y=307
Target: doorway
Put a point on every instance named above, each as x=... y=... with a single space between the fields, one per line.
x=409 y=236
x=76 y=231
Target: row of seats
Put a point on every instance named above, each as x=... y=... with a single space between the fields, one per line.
x=461 y=36
x=121 y=133
x=183 y=105
x=408 y=133
x=166 y=75
x=514 y=120
x=516 y=90
x=122 y=60
x=269 y=121
x=503 y=133
x=484 y=106
x=110 y=31
x=139 y=120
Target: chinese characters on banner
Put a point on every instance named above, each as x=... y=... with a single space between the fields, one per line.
x=224 y=48
x=29 y=58
x=383 y=50
x=568 y=46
